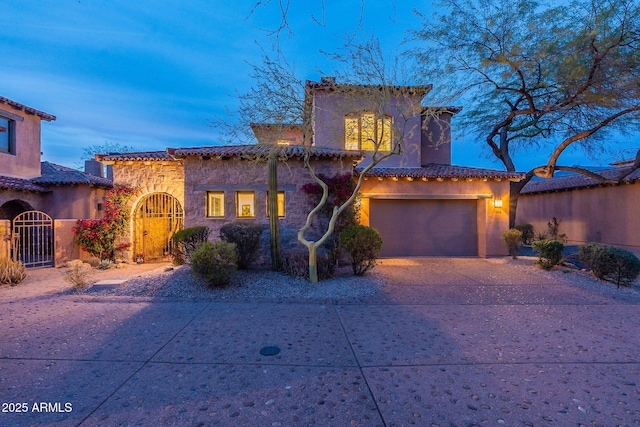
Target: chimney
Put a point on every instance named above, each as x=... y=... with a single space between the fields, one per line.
x=93 y=167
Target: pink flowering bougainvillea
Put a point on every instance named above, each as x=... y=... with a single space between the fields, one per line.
x=98 y=236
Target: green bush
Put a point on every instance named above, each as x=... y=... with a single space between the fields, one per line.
x=550 y=253
x=187 y=240
x=528 y=233
x=296 y=264
x=215 y=263
x=11 y=272
x=246 y=236
x=610 y=263
x=513 y=239
x=363 y=245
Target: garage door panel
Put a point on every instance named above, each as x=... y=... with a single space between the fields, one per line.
x=426 y=227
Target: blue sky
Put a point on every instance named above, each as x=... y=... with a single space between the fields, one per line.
x=151 y=74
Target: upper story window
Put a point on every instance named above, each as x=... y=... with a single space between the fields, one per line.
x=366 y=130
x=7 y=129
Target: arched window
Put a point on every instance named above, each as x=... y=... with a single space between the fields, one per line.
x=366 y=130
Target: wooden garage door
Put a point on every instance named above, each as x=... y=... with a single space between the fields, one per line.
x=426 y=227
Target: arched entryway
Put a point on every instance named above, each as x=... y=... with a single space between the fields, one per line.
x=11 y=209
x=32 y=239
x=156 y=218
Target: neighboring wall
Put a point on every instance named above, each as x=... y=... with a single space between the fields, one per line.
x=74 y=202
x=606 y=214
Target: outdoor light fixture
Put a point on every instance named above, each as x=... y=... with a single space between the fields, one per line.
x=497 y=203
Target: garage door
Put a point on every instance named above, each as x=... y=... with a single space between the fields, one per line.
x=426 y=227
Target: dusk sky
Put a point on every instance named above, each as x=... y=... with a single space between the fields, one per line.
x=151 y=74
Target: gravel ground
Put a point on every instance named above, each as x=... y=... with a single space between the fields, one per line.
x=272 y=286
x=574 y=277
x=248 y=284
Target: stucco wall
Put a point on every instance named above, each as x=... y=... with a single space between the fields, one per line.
x=5 y=238
x=25 y=162
x=35 y=200
x=74 y=202
x=603 y=214
x=330 y=109
x=491 y=222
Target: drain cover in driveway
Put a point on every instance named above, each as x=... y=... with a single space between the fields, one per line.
x=269 y=351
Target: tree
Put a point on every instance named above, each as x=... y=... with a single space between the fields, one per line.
x=279 y=98
x=88 y=153
x=534 y=75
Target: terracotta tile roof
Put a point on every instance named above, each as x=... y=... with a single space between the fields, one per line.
x=571 y=182
x=329 y=83
x=20 y=184
x=137 y=156
x=53 y=174
x=259 y=150
x=28 y=110
x=434 y=170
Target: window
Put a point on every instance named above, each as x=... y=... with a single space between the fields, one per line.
x=245 y=204
x=363 y=131
x=6 y=135
x=280 y=204
x=215 y=204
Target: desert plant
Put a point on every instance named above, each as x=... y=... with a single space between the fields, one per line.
x=550 y=253
x=246 y=236
x=513 y=239
x=528 y=233
x=106 y=264
x=296 y=264
x=187 y=240
x=78 y=274
x=11 y=272
x=553 y=230
x=610 y=263
x=363 y=244
x=215 y=263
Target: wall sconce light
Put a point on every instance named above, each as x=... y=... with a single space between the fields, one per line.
x=497 y=203
x=99 y=206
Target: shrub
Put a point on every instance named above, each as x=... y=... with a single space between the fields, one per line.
x=513 y=239
x=610 y=263
x=78 y=274
x=550 y=253
x=215 y=263
x=246 y=236
x=553 y=230
x=296 y=264
x=187 y=240
x=11 y=272
x=527 y=231
x=363 y=245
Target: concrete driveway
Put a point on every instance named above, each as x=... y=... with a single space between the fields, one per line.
x=447 y=342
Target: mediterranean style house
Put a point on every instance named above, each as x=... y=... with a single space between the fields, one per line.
x=39 y=201
x=420 y=203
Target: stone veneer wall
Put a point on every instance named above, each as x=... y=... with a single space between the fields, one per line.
x=234 y=175
x=166 y=176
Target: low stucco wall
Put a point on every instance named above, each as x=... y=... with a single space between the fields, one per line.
x=603 y=214
x=5 y=238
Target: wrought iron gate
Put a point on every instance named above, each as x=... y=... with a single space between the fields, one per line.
x=157 y=217
x=33 y=239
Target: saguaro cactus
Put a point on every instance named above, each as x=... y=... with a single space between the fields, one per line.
x=274 y=225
